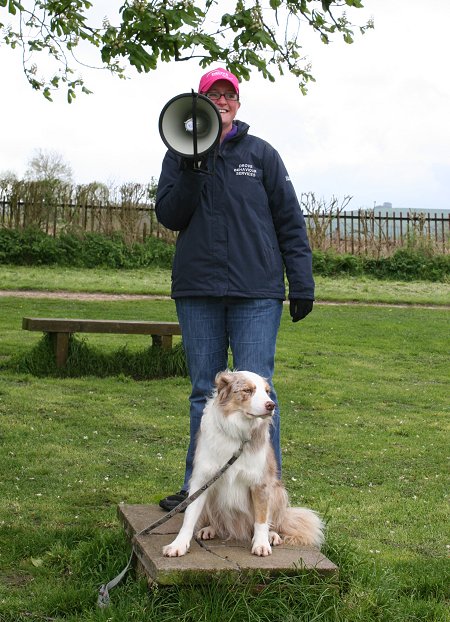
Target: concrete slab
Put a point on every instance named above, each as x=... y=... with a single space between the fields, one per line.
x=228 y=559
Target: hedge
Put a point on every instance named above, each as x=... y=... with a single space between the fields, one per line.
x=93 y=250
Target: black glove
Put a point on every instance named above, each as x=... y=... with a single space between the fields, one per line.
x=300 y=308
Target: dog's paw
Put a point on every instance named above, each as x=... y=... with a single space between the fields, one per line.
x=275 y=539
x=207 y=533
x=261 y=549
x=176 y=549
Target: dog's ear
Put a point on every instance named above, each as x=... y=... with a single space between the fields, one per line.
x=224 y=382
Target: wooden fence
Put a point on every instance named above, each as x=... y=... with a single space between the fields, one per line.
x=136 y=222
x=357 y=232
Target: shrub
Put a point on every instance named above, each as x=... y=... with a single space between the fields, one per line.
x=152 y=252
x=28 y=247
x=331 y=264
x=90 y=250
x=404 y=265
x=100 y=251
x=10 y=247
x=409 y=265
x=70 y=249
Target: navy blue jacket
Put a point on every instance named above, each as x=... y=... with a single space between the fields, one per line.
x=239 y=228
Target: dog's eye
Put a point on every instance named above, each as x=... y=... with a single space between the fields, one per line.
x=247 y=391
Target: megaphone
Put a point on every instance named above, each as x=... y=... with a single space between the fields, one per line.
x=190 y=125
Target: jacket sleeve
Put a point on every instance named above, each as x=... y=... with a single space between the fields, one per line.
x=178 y=193
x=290 y=226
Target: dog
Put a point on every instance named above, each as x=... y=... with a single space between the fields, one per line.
x=248 y=502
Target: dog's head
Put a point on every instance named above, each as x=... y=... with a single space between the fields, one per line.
x=245 y=392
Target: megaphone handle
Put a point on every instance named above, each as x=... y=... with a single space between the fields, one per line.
x=194 y=127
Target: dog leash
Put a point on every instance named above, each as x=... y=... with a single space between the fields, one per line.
x=103 y=599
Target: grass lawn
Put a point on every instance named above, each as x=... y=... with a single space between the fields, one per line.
x=157 y=281
x=363 y=394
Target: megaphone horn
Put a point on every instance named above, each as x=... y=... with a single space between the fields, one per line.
x=190 y=125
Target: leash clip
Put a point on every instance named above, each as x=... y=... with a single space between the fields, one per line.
x=103 y=599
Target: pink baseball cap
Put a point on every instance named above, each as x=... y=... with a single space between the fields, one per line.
x=212 y=76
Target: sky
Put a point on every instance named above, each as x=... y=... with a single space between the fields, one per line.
x=374 y=126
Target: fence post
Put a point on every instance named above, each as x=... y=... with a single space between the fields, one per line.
x=352 y=236
x=443 y=232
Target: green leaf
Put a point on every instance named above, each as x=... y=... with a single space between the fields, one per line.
x=37 y=562
x=189 y=18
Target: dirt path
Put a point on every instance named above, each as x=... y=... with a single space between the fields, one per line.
x=79 y=295
x=62 y=295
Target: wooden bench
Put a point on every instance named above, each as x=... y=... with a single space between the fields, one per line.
x=61 y=329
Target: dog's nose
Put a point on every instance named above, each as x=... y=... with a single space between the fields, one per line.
x=270 y=405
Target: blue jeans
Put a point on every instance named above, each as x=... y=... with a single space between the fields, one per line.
x=209 y=327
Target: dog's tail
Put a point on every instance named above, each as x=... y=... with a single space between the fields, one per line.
x=302 y=527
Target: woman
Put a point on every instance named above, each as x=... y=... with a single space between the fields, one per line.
x=240 y=230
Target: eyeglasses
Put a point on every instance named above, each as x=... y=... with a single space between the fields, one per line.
x=214 y=95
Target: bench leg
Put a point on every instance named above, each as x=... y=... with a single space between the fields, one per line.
x=60 y=343
x=162 y=341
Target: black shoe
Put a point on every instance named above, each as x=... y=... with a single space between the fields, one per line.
x=172 y=501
